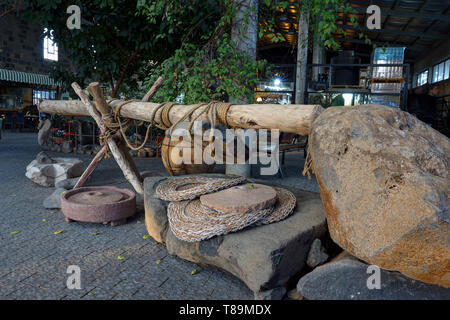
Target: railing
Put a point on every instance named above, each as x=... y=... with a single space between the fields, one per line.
x=328 y=87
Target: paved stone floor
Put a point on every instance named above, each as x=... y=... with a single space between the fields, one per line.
x=34 y=260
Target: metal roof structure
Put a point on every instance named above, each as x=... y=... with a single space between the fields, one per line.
x=419 y=25
x=26 y=77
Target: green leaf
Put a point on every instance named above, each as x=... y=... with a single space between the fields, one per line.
x=158 y=261
x=44 y=220
x=121 y=257
x=58 y=232
x=195 y=271
x=94 y=233
x=15 y=232
x=146 y=236
x=90 y=294
x=251 y=186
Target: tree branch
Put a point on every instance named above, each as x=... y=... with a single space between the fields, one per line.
x=122 y=76
x=12 y=9
x=116 y=41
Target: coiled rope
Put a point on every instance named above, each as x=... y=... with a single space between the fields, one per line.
x=215 y=111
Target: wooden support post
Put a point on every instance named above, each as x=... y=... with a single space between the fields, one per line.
x=94 y=163
x=123 y=148
x=117 y=153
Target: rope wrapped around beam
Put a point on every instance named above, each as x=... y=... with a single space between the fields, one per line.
x=216 y=111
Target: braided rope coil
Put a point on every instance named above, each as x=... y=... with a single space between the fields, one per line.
x=191 y=221
x=169 y=190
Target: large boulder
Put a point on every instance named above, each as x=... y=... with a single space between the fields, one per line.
x=47 y=171
x=346 y=278
x=264 y=257
x=384 y=182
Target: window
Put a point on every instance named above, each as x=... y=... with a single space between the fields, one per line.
x=441 y=71
x=44 y=95
x=422 y=78
x=50 y=47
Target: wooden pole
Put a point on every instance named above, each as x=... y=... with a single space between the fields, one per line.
x=158 y=83
x=94 y=163
x=102 y=153
x=117 y=152
x=293 y=118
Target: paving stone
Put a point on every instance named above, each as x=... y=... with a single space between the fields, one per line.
x=40 y=259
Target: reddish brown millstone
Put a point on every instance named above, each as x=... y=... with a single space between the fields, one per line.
x=100 y=204
x=243 y=198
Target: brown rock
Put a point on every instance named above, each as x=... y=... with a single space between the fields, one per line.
x=243 y=198
x=384 y=183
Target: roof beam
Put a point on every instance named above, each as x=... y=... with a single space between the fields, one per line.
x=400 y=32
x=403 y=13
x=378 y=43
x=427 y=28
x=394 y=6
x=412 y=18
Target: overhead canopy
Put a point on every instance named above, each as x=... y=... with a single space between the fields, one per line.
x=419 y=25
x=25 y=77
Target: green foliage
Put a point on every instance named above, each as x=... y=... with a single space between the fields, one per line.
x=117 y=37
x=323 y=20
x=209 y=67
x=128 y=44
x=323 y=15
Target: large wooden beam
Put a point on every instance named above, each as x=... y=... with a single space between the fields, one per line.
x=293 y=118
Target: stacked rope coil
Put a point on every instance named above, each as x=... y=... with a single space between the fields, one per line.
x=191 y=221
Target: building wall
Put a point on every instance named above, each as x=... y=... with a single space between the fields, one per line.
x=21 y=46
x=430 y=58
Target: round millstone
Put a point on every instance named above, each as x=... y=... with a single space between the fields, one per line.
x=243 y=198
x=97 y=197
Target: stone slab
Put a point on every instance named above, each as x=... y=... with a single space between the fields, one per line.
x=346 y=279
x=243 y=198
x=263 y=257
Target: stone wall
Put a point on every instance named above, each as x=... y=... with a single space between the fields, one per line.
x=21 y=46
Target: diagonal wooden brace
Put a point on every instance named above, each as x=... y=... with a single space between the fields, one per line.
x=102 y=153
x=128 y=167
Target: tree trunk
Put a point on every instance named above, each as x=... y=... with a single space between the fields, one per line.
x=244 y=33
x=302 y=57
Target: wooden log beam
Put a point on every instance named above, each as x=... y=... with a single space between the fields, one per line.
x=292 y=118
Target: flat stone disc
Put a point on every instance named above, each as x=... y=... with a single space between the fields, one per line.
x=97 y=197
x=241 y=199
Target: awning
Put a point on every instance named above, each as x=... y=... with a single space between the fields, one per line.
x=25 y=77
